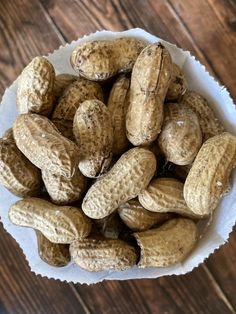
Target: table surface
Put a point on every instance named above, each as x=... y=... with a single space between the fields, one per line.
x=35 y=27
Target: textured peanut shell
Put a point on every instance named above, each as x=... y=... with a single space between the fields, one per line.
x=137 y=218
x=35 y=87
x=100 y=60
x=118 y=105
x=149 y=83
x=210 y=125
x=39 y=140
x=208 y=179
x=63 y=190
x=127 y=178
x=110 y=226
x=62 y=81
x=165 y=195
x=181 y=137
x=103 y=254
x=93 y=133
x=54 y=254
x=168 y=244
x=17 y=173
x=59 y=224
x=178 y=84
x=73 y=96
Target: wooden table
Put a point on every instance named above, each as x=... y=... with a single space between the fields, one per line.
x=35 y=27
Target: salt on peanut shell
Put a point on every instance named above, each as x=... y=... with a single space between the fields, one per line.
x=168 y=244
x=93 y=131
x=127 y=178
x=40 y=141
x=103 y=254
x=208 y=178
x=99 y=60
x=149 y=83
x=35 y=87
x=59 y=224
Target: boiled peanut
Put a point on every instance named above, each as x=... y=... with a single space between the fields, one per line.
x=208 y=179
x=126 y=179
x=62 y=81
x=54 y=254
x=63 y=190
x=100 y=60
x=17 y=173
x=149 y=83
x=35 y=87
x=165 y=195
x=39 y=140
x=168 y=244
x=137 y=218
x=117 y=105
x=210 y=125
x=93 y=132
x=59 y=224
x=178 y=84
x=181 y=137
x=103 y=254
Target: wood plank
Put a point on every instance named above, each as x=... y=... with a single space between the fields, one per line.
x=23 y=292
x=210 y=24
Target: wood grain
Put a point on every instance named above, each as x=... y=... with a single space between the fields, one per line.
x=206 y=28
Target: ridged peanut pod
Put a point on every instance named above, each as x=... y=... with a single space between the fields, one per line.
x=63 y=190
x=127 y=178
x=62 y=81
x=103 y=254
x=210 y=125
x=54 y=254
x=39 y=140
x=149 y=83
x=165 y=195
x=72 y=97
x=93 y=132
x=137 y=218
x=35 y=87
x=168 y=244
x=17 y=173
x=118 y=105
x=178 y=84
x=208 y=178
x=100 y=60
x=59 y=224
x=181 y=136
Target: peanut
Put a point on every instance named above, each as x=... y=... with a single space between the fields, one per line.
x=93 y=132
x=181 y=137
x=63 y=190
x=167 y=245
x=165 y=195
x=54 y=254
x=149 y=83
x=103 y=254
x=35 y=87
x=208 y=179
x=59 y=224
x=117 y=105
x=178 y=84
x=210 y=125
x=137 y=218
x=126 y=179
x=17 y=173
x=39 y=140
x=65 y=127
x=62 y=81
x=100 y=60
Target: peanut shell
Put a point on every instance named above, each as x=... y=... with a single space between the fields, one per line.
x=62 y=81
x=178 y=84
x=168 y=244
x=59 y=224
x=127 y=178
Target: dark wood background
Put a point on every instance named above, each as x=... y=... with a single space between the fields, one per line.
x=35 y=27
